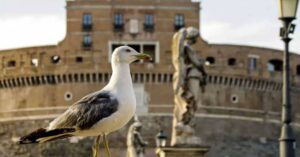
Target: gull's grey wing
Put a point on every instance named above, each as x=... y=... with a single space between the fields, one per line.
x=87 y=111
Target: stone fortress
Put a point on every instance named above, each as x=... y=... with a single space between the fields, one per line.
x=239 y=112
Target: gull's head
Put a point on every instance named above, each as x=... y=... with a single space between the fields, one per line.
x=126 y=54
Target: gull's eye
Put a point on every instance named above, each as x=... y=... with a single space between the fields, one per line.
x=127 y=50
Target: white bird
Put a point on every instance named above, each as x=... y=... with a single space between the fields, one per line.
x=98 y=113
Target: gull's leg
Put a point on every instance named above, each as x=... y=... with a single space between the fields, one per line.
x=96 y=146
x=106 y=145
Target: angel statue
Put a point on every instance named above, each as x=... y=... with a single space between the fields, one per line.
x=188 y=81
x=135 y=142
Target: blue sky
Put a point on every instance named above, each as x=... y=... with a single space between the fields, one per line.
x=246 y=22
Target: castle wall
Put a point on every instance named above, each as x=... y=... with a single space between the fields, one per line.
x=230 y=87
x=49 y=77
x=226 y=135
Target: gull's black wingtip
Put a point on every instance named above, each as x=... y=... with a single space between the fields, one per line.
x=32 y=137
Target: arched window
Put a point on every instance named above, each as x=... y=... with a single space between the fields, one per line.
x=275 y=65
x=35 y=62
x=55 y=59
x=210 y=61
x=231 y=61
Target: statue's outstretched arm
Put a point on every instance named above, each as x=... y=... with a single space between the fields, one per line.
x=140 y=140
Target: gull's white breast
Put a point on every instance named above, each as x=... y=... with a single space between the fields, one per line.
x=126 y=110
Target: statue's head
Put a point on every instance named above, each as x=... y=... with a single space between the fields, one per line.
x=137 y=126
x=191 y=35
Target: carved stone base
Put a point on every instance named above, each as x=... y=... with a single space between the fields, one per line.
x=193 y=151
x=187 y=140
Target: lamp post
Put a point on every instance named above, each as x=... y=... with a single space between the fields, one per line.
x=161 y=139
x=288 y=9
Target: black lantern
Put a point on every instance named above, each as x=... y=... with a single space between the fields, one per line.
x=161 y=139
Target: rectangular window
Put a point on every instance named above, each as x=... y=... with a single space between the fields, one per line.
x=87 y=22
x=11 y=63
x=136 y=47
x=78 y=59
x=179 y=21
x=118 y=22
x=114 y=46
x=149 y=19
x=87 y=41
x=252 y=63
x=149 y=22
x=150 y=48
x=298 y=70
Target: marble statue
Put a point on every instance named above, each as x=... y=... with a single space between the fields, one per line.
x=188 y=82
x=135 y=142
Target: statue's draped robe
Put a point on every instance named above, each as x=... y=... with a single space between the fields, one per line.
x=179 y=74
x=135 y=143
x=186 y=80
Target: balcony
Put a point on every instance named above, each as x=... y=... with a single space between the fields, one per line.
x=87 y=46
x=177 y=27
x=87 y=27
x=118 y=27
x=148 y=27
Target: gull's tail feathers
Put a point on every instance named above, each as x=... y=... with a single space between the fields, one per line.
x=42 y=135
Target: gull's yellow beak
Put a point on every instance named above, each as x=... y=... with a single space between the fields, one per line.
x=143 y=56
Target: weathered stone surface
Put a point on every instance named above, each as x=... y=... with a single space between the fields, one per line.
x=188 y=151
x=232 y=137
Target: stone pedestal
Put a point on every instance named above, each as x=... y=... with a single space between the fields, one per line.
x=193 y=151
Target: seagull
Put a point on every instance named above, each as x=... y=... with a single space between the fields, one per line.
x=99 y=113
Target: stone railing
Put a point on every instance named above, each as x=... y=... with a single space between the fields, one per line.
x=52 y=79
x=230 y=112
x=245 y=82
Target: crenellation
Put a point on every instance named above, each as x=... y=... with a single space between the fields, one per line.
x=249 y=85
x=87 y=75
x=154 y=78
x=57 y=78
x=225 y=80
x=100 y=77
x=171 y=77
x=260 y=85
x=4 y=84
x=230 y=81
x=28 y=81
x=82 y=79
x=75 y=77
x=215 y=79
x=106 y=77
x=270 y=85
x=52 y=79
x=94 y=77
x=276 y=84
x=64 y=78
x=18 y=82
